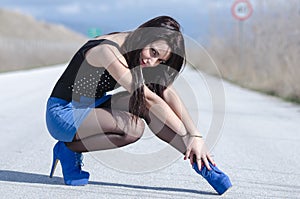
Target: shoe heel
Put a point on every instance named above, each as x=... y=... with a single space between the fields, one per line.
x=55 y=161
x=71 y=163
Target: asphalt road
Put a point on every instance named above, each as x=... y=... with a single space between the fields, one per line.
x=257 y=145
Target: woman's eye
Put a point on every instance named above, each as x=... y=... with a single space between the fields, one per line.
x=153 y=52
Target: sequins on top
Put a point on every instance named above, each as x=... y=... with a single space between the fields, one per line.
x=93 y=83
x=82 y=79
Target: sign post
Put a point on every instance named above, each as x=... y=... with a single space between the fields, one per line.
x=241 y=10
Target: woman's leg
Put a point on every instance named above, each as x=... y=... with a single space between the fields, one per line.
x=161 y=130
x=165 y=133
x=107 y=128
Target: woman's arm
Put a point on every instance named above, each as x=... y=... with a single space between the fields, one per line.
x=195 y=144
x=176 y=104
x=110 y=58
x=163 y=112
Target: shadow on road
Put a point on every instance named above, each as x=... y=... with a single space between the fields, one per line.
x=22 y=177
x=169 y=189
x=16 y=176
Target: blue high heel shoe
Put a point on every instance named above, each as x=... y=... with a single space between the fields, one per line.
x=71 y=163
x=215 y=177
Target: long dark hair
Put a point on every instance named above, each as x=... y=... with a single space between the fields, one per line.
x=157 y=78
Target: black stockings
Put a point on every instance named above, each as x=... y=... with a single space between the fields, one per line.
x=111 y=126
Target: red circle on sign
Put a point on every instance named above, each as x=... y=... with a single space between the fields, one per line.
x=235 y=14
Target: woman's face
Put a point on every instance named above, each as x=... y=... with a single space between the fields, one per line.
x=155 y=53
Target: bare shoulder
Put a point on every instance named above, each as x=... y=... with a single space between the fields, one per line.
x=104 y=54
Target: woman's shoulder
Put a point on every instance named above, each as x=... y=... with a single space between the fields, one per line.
x=118 y=37
x=109 y=50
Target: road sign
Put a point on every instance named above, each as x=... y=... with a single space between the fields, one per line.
x=241 y=9
x=94 y=32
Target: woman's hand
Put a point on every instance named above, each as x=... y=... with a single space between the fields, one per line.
x=196 y=147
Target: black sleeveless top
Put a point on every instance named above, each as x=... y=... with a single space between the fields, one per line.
x=81 y=79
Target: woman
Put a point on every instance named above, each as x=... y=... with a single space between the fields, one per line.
x=83 y=117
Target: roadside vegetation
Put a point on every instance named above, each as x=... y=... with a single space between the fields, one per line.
x=27 y=43
x=268 y=60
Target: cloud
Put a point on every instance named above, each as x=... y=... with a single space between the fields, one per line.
x=69 y=9
x=33 y=2
x=117 y=15
x=99 y=7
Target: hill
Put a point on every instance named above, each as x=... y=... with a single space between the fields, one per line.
x=26 y=42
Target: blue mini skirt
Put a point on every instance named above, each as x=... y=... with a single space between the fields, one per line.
x=63 y=118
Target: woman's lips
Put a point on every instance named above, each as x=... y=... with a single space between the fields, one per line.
x=143 y=63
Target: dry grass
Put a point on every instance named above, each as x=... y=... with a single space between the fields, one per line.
x=27 y=43
x=270 y=53
x=18 y=54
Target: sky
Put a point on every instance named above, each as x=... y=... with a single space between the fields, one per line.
x=199 y=18
x=121 y=15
